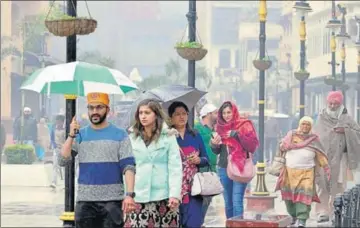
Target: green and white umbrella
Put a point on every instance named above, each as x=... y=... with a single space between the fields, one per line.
x=78 y=78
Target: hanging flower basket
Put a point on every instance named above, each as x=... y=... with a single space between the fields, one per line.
x=302 y=75
x=61 y=24
x=262 y=64
x=73 y=26
x=333 y=82
x=191 y=50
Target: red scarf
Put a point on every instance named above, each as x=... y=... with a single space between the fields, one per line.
x=237 y=152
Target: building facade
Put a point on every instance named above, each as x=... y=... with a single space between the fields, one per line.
x=318 y=53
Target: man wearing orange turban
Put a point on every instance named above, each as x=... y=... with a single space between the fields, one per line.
x=340 y=136
x=105 y=155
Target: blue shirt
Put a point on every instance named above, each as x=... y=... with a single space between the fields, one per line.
x=104 y=156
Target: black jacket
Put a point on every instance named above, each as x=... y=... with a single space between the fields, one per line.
x=29 y=130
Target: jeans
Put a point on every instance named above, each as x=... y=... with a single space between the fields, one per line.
x=233 y=194
x=107 y=214
x=206 y=203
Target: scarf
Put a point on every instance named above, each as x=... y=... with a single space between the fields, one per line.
x=287 y=143
x=238 y=155
x=189 y=171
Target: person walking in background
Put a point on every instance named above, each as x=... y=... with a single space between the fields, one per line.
x=57 y=141
x=25 y=132
x=2 y=137
x=272 y=131
x=205 y=127
x=304 y=156
x=159 y=169
x=105 y=155
x=340 y=135
x=235 y=136
x=44 y=141
x=194 y=156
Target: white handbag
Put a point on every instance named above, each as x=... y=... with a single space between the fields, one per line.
x=206 y=184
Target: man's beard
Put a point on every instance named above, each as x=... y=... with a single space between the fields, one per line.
x=101 y=119
x=334 y=114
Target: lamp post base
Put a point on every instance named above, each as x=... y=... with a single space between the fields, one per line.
x=68 y=218
x=260 y=204
x=259 y=220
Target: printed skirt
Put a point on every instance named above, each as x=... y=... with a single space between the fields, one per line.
x=153 y=214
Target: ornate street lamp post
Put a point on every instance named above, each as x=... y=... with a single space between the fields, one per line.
x=68 y=217
x=343 y=37
x=357 y=45
x=302 y=8
x=333 y=24
x=191 y=16
x=260 y=189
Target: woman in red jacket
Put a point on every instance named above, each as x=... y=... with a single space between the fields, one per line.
x=237 y=136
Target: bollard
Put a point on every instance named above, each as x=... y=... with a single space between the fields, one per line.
x=346 y=209
x=338 y=204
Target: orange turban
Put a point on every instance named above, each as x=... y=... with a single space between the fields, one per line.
x=98 y=98
x=335 y=97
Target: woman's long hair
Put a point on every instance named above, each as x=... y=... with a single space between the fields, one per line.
x=171 y=111
x=161 y=117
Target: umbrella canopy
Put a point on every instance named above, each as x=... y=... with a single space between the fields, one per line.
x=166 y=95
x=78 y=78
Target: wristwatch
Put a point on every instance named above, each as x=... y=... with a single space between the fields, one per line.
x=130 y=194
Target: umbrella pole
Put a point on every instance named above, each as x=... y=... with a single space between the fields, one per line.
x=68 y=217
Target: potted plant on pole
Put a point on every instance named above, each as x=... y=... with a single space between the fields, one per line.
x=65 y=25
x=191 y=50
x=262 y=63
x=333 y=81
x=302 y=75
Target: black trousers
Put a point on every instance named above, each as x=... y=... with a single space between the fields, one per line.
x=107 y=214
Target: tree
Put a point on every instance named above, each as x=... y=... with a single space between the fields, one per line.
x=95 y=57
x=32 y=30
x=174 y=74
x=7 y=47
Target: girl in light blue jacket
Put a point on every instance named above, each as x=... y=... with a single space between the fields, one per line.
x=158 y=169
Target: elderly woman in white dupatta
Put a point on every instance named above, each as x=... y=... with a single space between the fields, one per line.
x=304 y=155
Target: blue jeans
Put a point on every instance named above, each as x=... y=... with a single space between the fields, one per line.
x=233 y=195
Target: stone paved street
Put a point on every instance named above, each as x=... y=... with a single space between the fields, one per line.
x=27 y=201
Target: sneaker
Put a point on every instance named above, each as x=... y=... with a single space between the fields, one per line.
x=53 y=185
x=301 y=223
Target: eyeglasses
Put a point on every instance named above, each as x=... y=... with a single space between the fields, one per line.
x=97 y=107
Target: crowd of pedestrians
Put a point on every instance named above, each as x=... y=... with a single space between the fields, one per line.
x=143 y=176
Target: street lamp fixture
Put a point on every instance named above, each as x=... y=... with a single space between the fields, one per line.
x=334 y=25
x=343 y=37
x=303 y=8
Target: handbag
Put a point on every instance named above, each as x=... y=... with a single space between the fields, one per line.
x=277 y=164
x=206 y=184
x=244 y=176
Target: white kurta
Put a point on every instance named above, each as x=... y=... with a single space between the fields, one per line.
x=300 y=158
